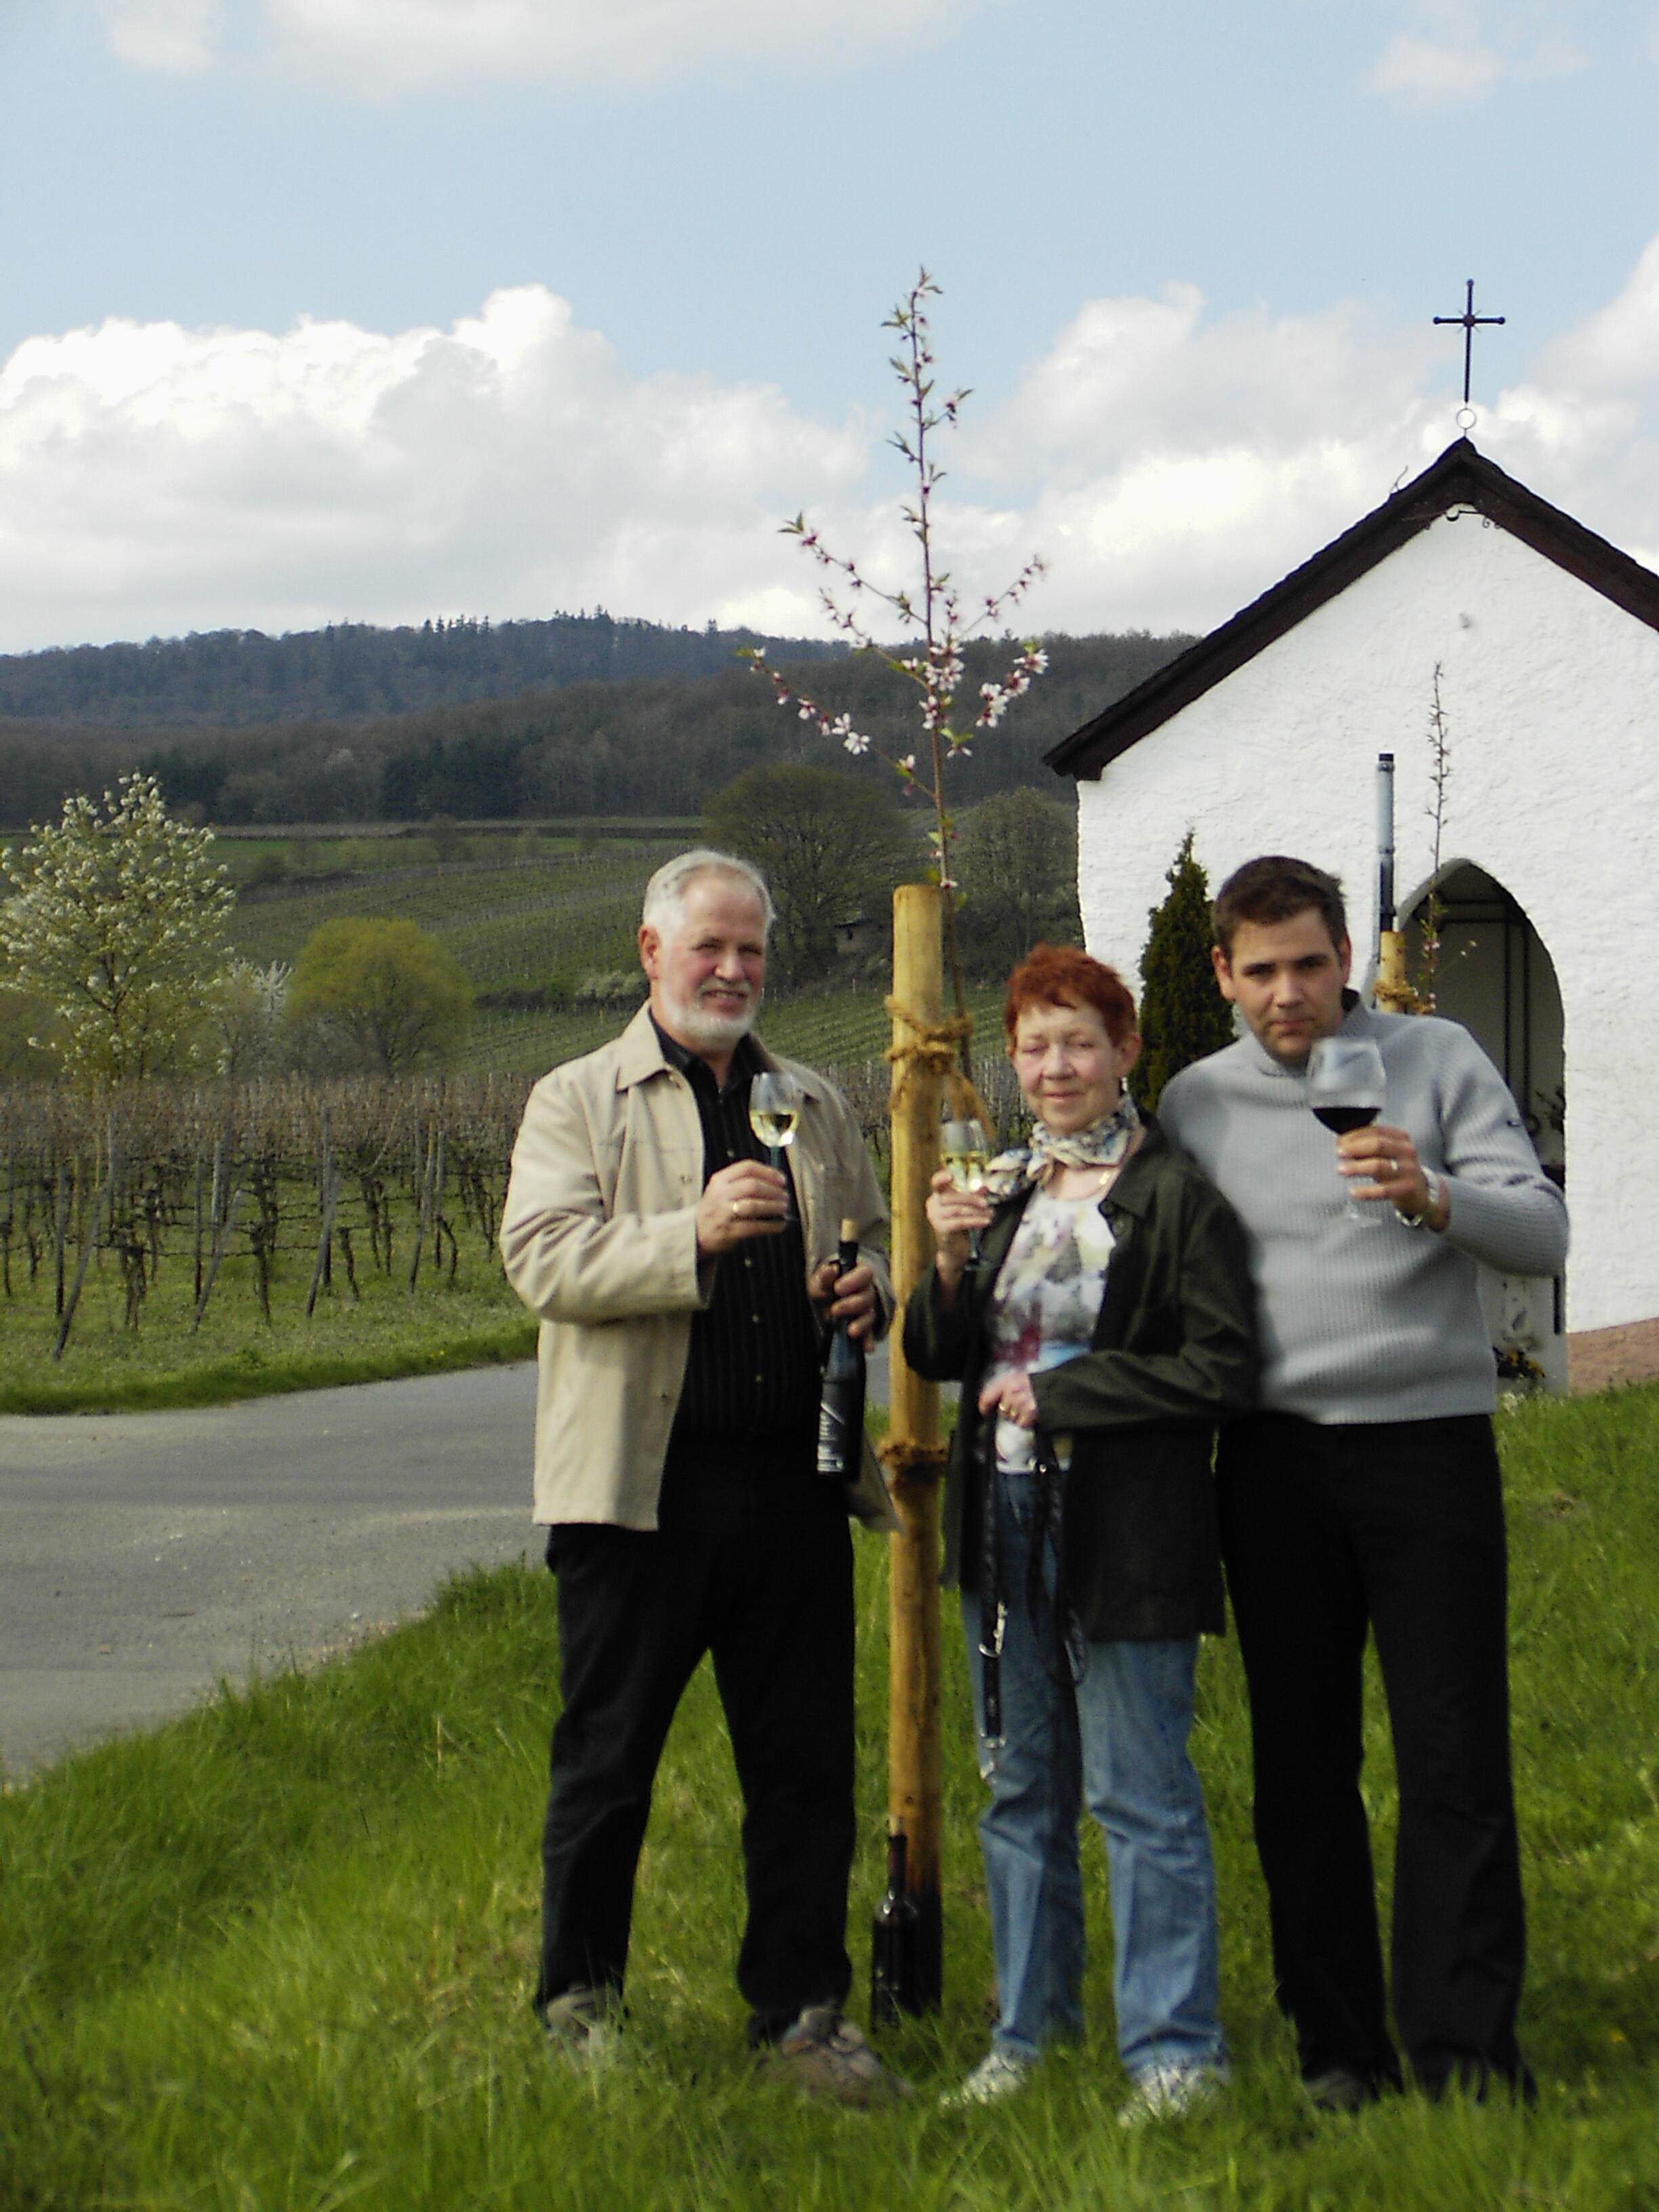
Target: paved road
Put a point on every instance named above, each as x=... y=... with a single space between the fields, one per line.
x=145 y=1557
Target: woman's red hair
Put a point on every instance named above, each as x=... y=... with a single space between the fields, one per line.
x=1060 y=975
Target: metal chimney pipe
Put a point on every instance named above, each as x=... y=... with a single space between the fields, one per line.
x=1384 y=842
x=1392 y=993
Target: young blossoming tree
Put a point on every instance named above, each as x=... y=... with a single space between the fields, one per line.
x=937 y=617
x=116 y=921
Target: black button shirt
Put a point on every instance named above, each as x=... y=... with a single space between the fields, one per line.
x=751 y=1375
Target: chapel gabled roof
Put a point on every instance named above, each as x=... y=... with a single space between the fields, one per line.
x=1460 y=477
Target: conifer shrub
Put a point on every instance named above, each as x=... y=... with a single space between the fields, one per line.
x=1183 y=1016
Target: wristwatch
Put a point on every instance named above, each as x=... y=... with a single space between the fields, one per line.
x=1432 y=1188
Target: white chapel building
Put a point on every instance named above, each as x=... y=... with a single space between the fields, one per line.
x=1264 y=737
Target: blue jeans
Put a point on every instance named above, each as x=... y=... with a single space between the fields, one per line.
x=1117 y=1739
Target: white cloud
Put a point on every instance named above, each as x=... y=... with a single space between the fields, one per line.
x=1170 y=466
x=1614 y=351
x=1429 y=72
x=177 y=36
x=155 y=480
x=382 y=48
x=1183 y=465
x=1459 y=49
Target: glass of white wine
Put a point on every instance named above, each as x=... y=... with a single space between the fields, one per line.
x=967 y=1155
x=773 y=1109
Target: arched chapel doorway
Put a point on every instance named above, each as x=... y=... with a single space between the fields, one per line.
x=1494 y=974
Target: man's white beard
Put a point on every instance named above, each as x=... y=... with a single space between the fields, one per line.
x=694 y=1025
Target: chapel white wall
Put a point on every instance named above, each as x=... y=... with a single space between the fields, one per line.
x=1551 y=694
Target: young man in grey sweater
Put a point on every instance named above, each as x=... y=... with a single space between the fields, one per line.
x=1365 y=1494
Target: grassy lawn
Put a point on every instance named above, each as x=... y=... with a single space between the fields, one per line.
x=276 y=1955
x=236 y=1353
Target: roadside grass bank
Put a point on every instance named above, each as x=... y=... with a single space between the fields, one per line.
x=277 y=1955
x=475 y=1320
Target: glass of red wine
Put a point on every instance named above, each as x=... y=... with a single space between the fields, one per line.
x=1347 y=1090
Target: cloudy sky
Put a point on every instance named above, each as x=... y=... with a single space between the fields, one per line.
x=318 y=310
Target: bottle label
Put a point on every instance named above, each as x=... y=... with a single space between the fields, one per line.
x=836 y=1460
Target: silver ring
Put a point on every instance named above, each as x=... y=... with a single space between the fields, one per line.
x=1394 y=1166
x=737 y=1211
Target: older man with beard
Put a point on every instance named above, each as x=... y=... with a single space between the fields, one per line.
x=683 y=1283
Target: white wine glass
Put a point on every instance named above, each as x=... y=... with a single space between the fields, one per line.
x=773 y=1110
x=967 y=1155
x=1348 y=1088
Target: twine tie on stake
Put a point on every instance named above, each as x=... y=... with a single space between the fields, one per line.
x=934 y=1047
x=911 y=1463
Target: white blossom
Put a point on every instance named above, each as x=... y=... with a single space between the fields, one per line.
x=117 y=919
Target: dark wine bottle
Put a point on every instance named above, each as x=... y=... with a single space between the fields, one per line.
x=841 y=1404
x=1341 y=1119
x=895 y=1946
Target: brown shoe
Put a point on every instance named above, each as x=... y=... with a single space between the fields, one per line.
x=825 y=2056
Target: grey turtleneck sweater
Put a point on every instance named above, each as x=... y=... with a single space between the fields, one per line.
x=1364 y=1323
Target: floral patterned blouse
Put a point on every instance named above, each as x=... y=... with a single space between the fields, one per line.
x=1045 y=1302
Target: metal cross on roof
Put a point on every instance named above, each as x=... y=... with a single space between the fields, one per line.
x=1471 y=322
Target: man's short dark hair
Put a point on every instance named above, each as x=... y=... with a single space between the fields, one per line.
x=1273 y=889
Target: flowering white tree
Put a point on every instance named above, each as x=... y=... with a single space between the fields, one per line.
x=935 y=609
x=243 y=1012
x=116 y=918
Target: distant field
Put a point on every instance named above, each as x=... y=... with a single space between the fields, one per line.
x=510 y=923
x=309 y=849
x=519 y=924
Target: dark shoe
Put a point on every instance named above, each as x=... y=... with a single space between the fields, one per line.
x=584 y=2029
x=825 y=2056
x=1339 y=2089
x=1482 y=2084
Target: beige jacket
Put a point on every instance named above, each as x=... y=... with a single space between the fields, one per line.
x=598 y=1234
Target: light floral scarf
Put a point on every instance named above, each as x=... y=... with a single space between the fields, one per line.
x=1103 y=1144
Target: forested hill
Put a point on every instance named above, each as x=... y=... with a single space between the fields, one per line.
x=656 y=746
x=234 y=677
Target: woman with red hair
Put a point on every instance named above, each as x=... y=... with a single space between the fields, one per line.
x=1103 y=1327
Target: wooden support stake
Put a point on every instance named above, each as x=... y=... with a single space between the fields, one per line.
x=87 y=1250
x=423 y=1213
x=913 y=1451
x=1393 y=992
x=326 y=1238
x=61 y=1230
x=196 y=1293
x=222 y=1237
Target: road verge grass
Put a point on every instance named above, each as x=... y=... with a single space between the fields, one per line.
x=475 y=1320
x=277 y=1955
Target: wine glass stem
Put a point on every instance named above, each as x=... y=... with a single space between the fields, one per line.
x=774 y=1153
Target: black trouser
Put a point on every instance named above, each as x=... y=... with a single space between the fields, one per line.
x=752 y=1563
x=1398 y=1526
